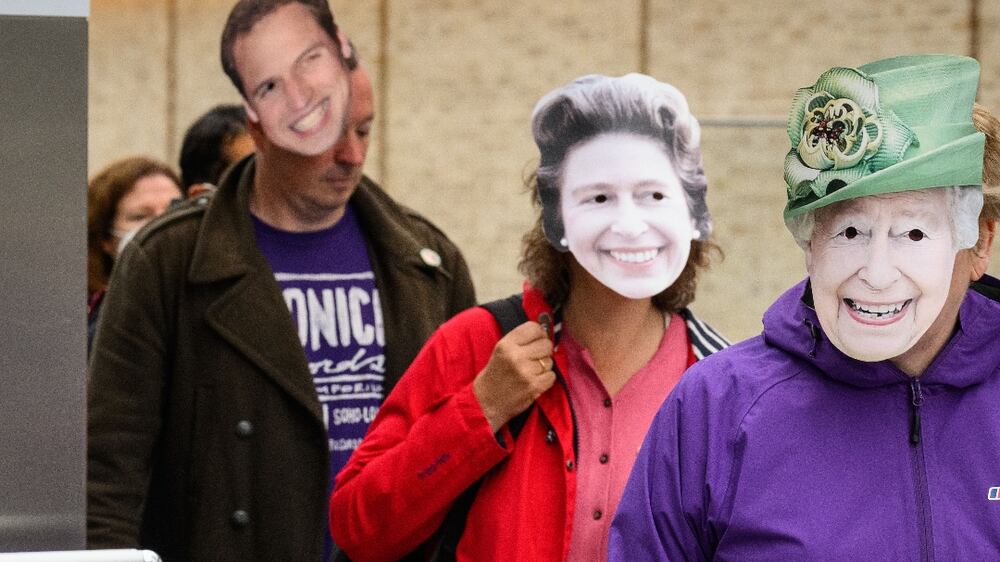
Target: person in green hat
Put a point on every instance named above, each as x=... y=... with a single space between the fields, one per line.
x=863 y=423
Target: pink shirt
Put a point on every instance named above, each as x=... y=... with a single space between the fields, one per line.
x=611 y=430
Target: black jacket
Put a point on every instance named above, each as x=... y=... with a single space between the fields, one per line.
x=206 y=439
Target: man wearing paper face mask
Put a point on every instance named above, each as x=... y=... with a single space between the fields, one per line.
x=550 y=415
x=261 y=326
x=862 y=424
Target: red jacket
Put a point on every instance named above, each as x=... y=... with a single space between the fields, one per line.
x=431 y=440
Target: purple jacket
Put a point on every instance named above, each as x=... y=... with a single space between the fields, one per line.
x=783 y=448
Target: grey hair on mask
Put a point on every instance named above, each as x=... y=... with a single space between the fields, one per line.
x=635 y=104
x=964 y=204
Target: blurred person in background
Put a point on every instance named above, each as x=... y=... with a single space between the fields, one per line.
x=121 y=199
x=213 y=143
x=547 y=418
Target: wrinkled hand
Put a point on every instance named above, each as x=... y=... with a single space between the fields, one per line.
x=519 y=371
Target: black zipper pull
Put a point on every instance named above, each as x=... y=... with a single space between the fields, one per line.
x=814 y=332
x=916 y=399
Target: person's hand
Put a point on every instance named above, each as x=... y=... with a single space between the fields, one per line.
x=519 y=371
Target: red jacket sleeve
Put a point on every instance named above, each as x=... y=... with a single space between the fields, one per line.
x=428 y=443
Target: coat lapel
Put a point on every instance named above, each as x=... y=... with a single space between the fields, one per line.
x=253 y=318
x=397 y=260
x=249 y=313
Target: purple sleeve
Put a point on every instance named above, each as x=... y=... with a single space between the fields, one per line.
x=662 y=513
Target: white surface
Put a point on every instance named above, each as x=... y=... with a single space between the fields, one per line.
x=123 y=555
x=69 y=8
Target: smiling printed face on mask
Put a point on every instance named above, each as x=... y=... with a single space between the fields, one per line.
x=881 y=269
x=295 y=85
x=624 y=212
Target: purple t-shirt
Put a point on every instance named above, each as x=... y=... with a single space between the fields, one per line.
x=327 y=282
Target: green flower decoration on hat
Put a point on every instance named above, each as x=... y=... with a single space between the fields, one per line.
x=840 y=134
x=897 y=124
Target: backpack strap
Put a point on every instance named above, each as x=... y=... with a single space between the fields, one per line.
x=508 y=312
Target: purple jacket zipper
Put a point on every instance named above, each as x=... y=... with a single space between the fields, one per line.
x=920 y=474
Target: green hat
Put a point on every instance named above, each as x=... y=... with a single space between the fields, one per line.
x=893 y=125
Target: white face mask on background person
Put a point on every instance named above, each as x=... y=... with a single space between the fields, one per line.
x=149 y=198
x=625 y=216
x=881 y=270
x=124 y=237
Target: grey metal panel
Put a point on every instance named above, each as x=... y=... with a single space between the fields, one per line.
x=43 y=175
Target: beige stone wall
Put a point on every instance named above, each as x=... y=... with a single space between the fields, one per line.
x=456 y=80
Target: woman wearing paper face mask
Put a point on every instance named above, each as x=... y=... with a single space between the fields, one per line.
x=121 y=199
x=863 y=423
x=621 y=193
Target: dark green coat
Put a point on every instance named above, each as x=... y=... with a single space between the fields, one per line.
x=206 y=440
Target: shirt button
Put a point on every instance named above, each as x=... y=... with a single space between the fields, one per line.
x=607 y=402
x=604 y=459
x=569 y=465
x=244 y=428
x=550 y=436
x=597 y=514
x=240 y=518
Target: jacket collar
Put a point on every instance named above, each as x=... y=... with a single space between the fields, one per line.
x=385 y=223
x=226 y=250
x=704 y=340
x=226 y=246
x=534 y=302
x=969 y=357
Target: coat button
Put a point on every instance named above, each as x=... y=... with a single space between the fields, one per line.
x=597 y=514
x=607 y=402
x=244 y=428
x=240 y=518
x=604 y=459
x=550 y=436
x=569 y=465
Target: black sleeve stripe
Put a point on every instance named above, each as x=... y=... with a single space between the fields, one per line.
x=704 y=340
x=710 y=333
x=701 y=349
x=707 y=332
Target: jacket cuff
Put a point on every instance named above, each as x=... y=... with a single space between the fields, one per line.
x=475 y=420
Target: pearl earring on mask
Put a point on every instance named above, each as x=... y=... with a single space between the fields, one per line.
x=563 y=242
x=696 y=234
